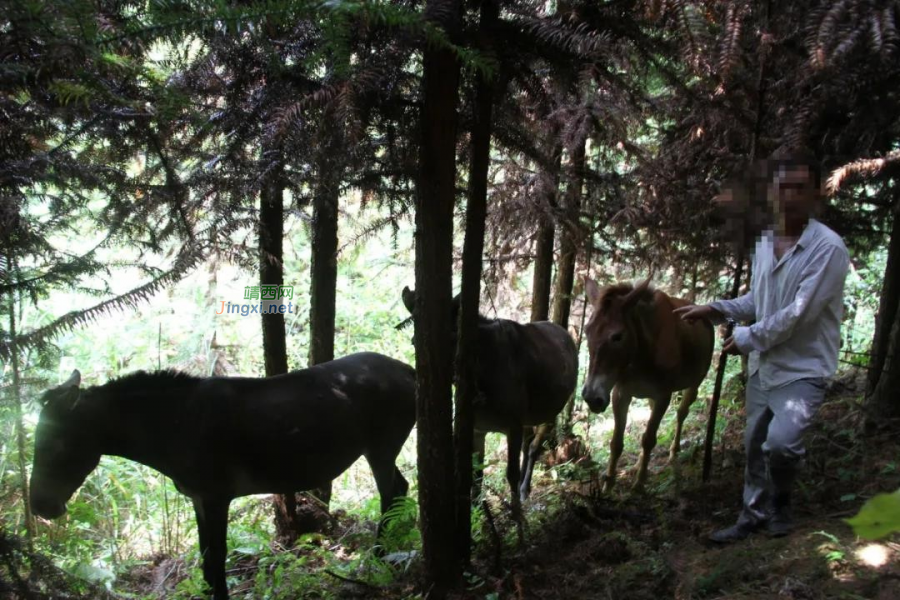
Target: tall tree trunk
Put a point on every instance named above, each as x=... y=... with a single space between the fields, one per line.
x=435 y=191
x=887 y=309
x=543 y=259
x=17 y=400
x=883 y=400
x=323 y=288
x=271 y=271
x=569 y=236
x=473 y=250
x=755 y=134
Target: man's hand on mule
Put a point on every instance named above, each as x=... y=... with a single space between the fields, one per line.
x=694 y=312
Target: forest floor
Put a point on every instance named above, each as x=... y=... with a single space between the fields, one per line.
x=580 y=543
x=653 y=545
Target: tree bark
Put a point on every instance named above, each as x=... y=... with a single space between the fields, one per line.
x=887 y=309
x=271 y=271
x=17 y=404
x=291 y=518
x=435 y=191
x=883 y=400
x=323 y=288
x=543 y=259
x=569 y=236
x=473 y=251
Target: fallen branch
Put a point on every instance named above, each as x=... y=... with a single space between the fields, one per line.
x=359 y=582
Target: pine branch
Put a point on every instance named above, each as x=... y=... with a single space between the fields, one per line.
x=37 y=338
x=865 y=169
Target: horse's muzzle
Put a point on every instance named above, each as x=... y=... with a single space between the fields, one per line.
x=596 y=399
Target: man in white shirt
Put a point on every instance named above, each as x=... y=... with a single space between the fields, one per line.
x=796 y=299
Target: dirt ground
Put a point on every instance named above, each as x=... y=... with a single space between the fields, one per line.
x=581 y=543
x=653 y=545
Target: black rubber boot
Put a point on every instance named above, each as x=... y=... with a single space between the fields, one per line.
x=737 y=532
x=781 y=522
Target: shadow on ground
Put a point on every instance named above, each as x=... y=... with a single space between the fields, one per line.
x=653 y=545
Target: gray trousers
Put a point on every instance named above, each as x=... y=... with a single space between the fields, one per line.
x=773 y=442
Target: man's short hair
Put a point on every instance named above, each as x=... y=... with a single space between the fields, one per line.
x=798 y=157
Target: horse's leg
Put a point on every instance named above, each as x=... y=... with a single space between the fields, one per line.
x=648 y=442
x=203 y=538
x=390 y=482
x=513 y=474
x=478 y=452
x=530 y=436
x=212 y=529
x=620 y=404
x=688 y=398
x=401 y=486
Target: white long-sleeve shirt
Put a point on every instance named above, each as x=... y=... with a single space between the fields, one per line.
x=798 y=302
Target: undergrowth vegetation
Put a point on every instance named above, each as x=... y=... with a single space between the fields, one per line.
x=128 y=530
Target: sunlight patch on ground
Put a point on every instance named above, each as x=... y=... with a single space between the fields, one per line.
x=637 y=416
x=873 y=555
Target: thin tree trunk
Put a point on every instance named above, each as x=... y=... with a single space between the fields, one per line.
x=17 y=403
x=887 y=309
x=564 y=429
x=473 y=251
x=435 y=191
x=883 y=401
x=543 y=260
x=323 y=288
x=736 y=285
x=569 y=239
x=271 y=272
x=569 y=236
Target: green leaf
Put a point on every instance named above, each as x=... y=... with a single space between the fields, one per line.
x=878 y=517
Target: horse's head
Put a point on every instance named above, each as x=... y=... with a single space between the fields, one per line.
x=65 y=451
x=409 y=301
x=612 y=339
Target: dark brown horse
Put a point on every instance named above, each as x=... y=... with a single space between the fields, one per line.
x=638 y=348
x=219 y=438
x=525 y=374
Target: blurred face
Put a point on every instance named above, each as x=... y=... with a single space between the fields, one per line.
x=794 y=197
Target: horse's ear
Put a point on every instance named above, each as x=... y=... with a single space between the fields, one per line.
x=592 y=290
x=409 y=298
x=634 y=295
x=73 y=381
x=70 y=387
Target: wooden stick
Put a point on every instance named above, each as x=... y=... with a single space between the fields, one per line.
x=495 y=536
x=720 y=376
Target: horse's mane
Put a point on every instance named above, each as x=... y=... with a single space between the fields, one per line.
x=620 y=289
x=144 y=381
